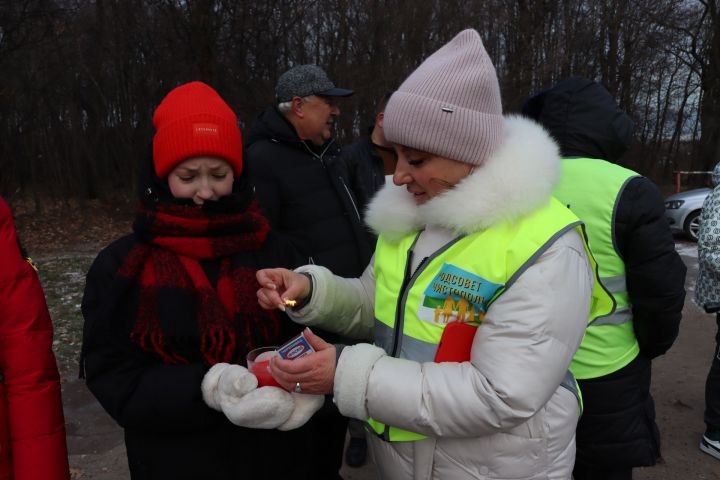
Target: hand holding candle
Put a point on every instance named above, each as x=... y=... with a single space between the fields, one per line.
x=258 y=360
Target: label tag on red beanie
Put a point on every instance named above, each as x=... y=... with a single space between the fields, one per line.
x=205 y=130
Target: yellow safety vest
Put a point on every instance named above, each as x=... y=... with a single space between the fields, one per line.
x=591 y=189
x=458 y=282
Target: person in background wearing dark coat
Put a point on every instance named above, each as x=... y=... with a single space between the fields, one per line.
x=32 y=427
x=707 y=295
x=294 y=164
x=638 y=265
x=305 y=190
x=170 y=311
x=370 y=159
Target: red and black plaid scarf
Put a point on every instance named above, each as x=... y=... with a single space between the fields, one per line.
x=165 y=266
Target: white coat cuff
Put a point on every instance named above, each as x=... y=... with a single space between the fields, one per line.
x=351 y=378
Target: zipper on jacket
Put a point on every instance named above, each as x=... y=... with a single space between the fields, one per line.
x=352 y=201
x=399 y=322
x=397 y=333
x=322 y=161
x=398 y=307
x=322 y=154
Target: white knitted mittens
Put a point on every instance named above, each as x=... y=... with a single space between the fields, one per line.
x=233 y=390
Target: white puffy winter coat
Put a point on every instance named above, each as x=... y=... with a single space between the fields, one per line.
x=503 y=414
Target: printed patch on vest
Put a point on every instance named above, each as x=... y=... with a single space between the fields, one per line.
x=456 y=295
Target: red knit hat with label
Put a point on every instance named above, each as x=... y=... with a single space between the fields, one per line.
x=194 y=121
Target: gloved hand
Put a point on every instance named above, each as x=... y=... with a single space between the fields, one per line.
x=226 y=383
x=305 y=407
x=232 y=389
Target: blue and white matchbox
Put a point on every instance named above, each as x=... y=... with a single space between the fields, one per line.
x=295 y=348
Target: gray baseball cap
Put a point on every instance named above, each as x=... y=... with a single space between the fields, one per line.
x=305 y=80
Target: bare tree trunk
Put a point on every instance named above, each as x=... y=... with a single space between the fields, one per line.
x=710 y=105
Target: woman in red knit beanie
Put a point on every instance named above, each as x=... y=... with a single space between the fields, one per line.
x=170 y=310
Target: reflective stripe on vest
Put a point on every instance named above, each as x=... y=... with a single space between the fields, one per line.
x=459 y=281
x=617 y=286
x=591 y=188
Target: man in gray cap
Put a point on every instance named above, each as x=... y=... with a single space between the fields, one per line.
x=300 y=183
x=304 y=189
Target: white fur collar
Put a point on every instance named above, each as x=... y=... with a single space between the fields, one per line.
x=515 y=180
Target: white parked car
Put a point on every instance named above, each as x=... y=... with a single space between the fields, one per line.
x=682 y=211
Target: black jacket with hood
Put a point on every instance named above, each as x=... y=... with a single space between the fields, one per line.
x=617 y=429
x=306 y=195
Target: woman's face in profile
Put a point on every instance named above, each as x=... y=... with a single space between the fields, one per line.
x=426 y=175
x=201 y=179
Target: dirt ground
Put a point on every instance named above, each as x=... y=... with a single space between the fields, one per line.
x=95 y=441
x=678 y=387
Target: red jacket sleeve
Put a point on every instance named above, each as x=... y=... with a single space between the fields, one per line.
x=34 y=416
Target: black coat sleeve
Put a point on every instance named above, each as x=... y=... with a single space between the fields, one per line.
x=654 y=271
x=135 y=388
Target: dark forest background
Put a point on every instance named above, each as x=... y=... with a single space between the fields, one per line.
x=79 y=80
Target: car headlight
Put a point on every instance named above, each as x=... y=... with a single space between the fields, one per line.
x=674 y=204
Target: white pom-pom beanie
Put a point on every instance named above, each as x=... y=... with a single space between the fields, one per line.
x=450 y=105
